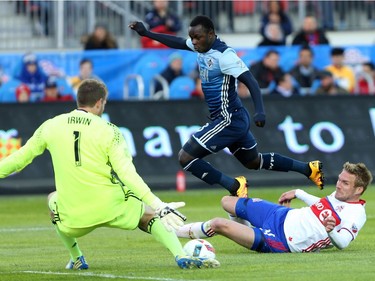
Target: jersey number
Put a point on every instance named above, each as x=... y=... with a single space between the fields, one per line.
x=77 y=155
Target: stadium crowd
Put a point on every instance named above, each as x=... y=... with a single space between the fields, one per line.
x=346 y=74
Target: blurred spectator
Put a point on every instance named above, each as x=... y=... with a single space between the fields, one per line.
x=23 y=93
x=100 y=39
x=273 y=36
x=344 y=75
x=212 y=9
x=52 y=94
x=267 y=69
x=85 y=72
x=370 y=8
x=310 y=34
x=21 y=7
x=197 y=93
x=284 y=86
x=172 y=71
x=41 y=15
x=366 y=79
x=3 y=76
x=276 y=15
x=160 y=19
x=33 y=76
x=304 y=72
x=326 y=10
x=328 y=85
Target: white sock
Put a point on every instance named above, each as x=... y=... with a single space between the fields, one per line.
x=195 y=230
x=239 y=220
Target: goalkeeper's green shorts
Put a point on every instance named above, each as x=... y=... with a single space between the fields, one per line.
x=129 y=220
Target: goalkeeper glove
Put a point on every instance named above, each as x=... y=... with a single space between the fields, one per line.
x=169 y=216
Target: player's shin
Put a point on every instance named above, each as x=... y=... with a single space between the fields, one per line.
x=204 y=171
x=196 y=230
x=165 y=237
x=70 y=244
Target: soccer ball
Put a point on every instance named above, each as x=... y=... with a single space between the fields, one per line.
x=200 y=248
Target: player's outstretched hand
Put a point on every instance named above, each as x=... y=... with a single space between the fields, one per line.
x=287 y=197
x=169 y=216
x=260 y=119
x=138 y=27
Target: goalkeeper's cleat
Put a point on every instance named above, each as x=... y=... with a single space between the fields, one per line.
x=316 y=175
x=188 y=262
x=79 y=264
x=242 y=190
x=210 y=263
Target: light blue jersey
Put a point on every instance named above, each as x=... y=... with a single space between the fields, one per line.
x=218 y=70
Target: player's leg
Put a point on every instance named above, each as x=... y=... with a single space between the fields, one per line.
x=211 y=138
x=260 y=213
x=152 y=224
x=204 y=229
x=136 y=214
x=251 y=159
x=190 y=158
x=202 y=169
x=235 y=231
x=251 y=238
x=77 y=261
x=254 y=210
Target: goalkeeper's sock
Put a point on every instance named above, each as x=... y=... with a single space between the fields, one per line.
x=70 y=244
x=165 y=237
x=196 y=230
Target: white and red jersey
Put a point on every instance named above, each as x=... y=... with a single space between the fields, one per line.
x=305 y=232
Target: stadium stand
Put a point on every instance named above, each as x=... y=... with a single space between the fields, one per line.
x=74 y=18
x=147 y=67
x=181 y=88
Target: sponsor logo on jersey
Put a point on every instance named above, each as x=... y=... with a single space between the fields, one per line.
x=323 y=208
x=267 y=232
x=339 y=208
x=354 y=228
x=210 y=62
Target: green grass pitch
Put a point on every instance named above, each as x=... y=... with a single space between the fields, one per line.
x=30 y=249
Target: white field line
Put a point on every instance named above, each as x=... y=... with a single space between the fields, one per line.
x=108 y=276
x=25 y=229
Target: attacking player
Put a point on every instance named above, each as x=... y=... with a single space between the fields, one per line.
x=97 y=184
x=334 y=220
x=219 y=67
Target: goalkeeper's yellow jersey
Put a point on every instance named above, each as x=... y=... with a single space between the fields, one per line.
x=92 y=164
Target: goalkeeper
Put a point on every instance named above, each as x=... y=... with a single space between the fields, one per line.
x=97 y=184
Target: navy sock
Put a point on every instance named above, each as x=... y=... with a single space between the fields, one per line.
x=204 y=171
x=278 y=162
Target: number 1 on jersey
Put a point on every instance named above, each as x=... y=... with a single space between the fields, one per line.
x=77 y=155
